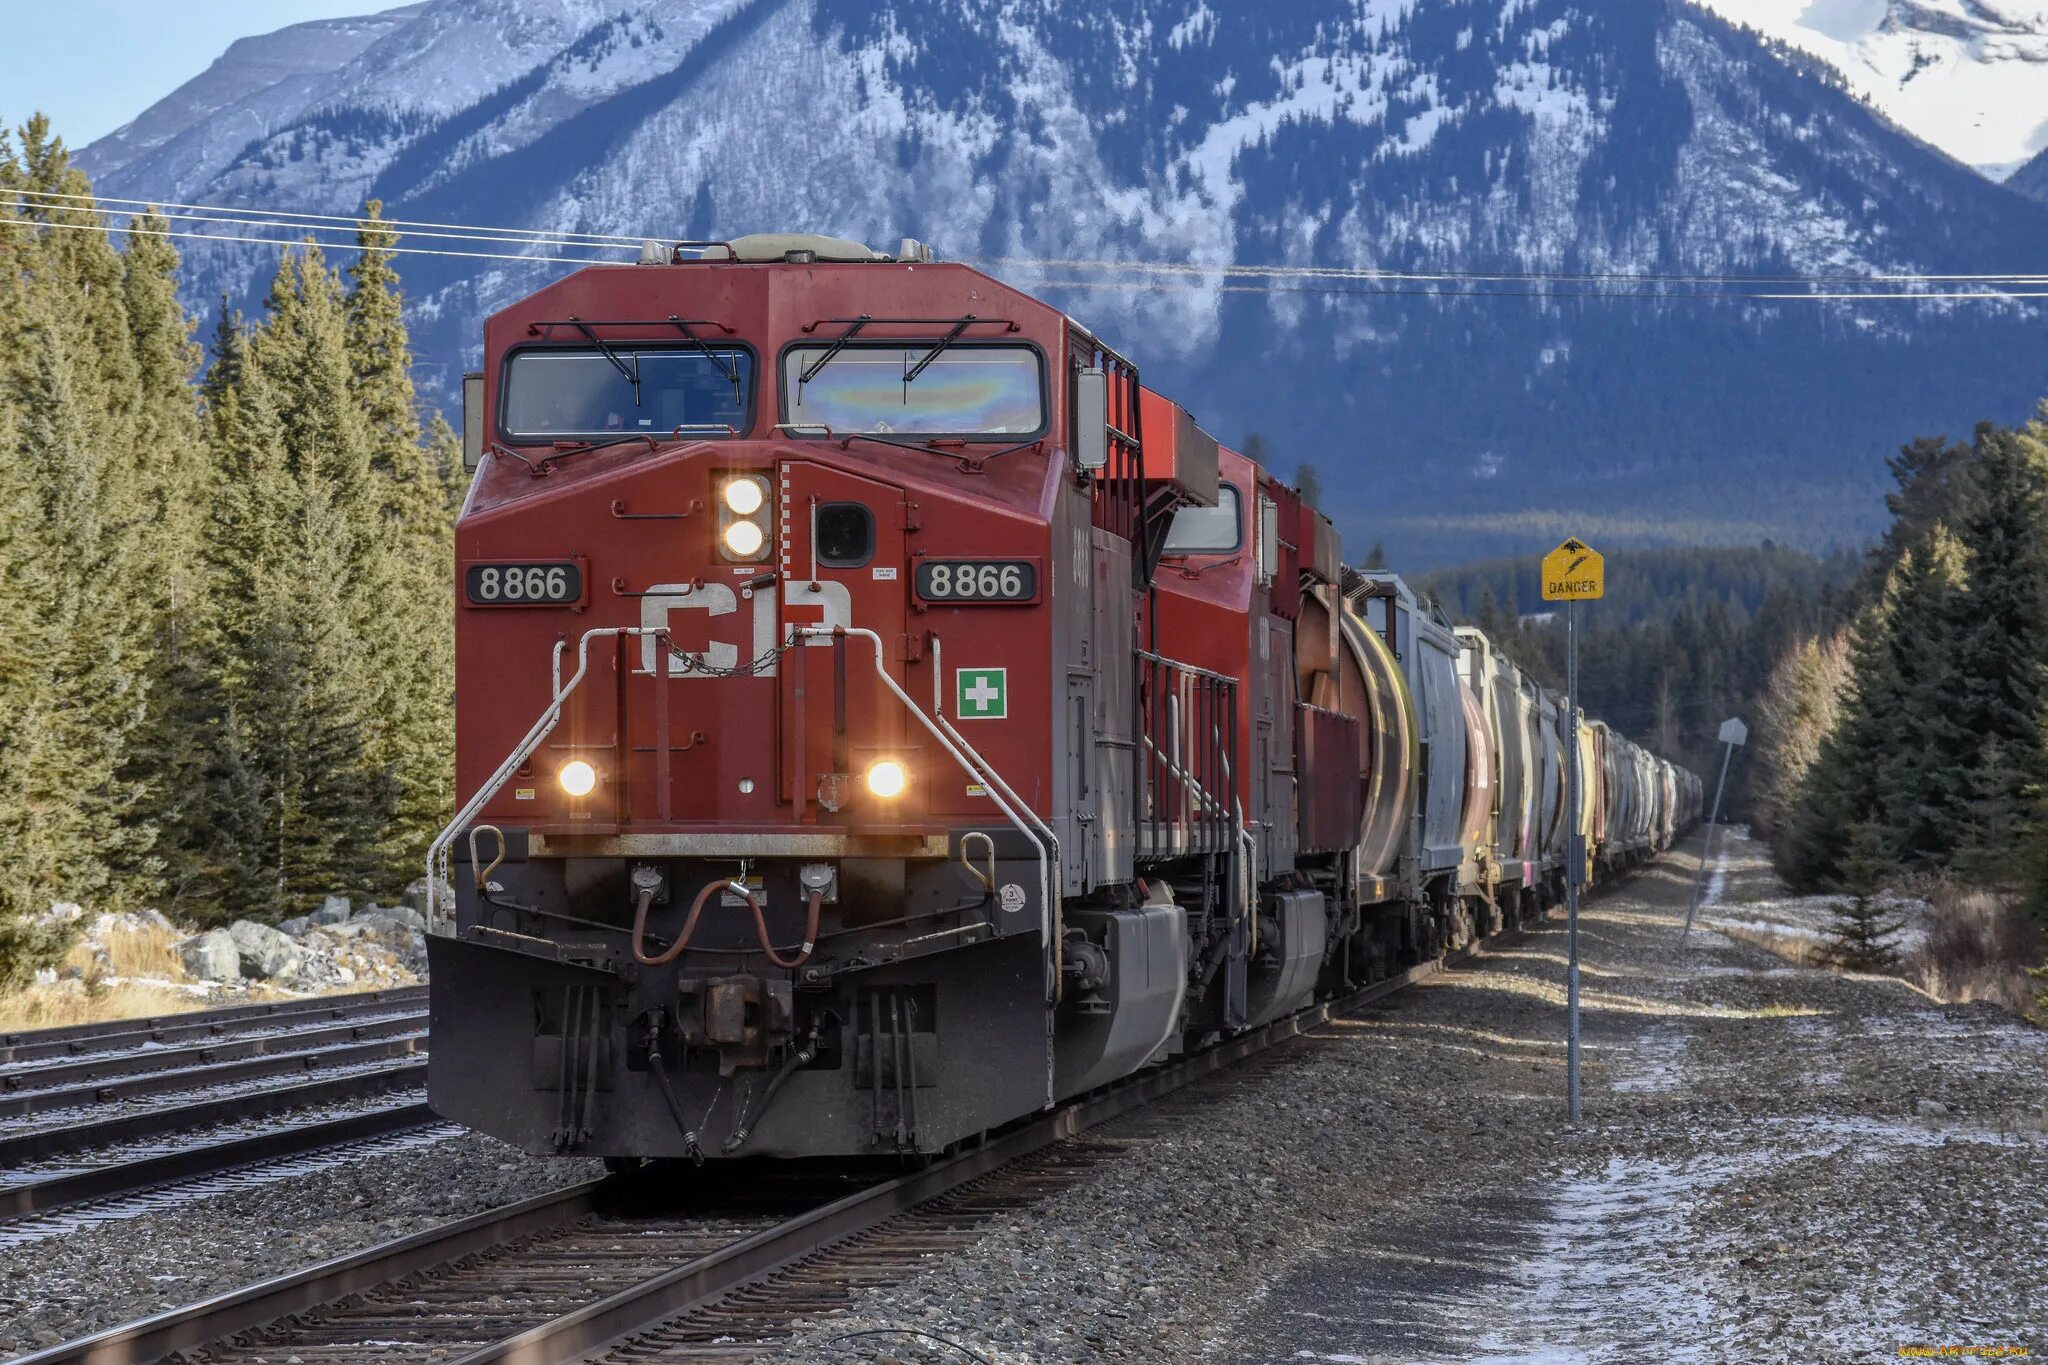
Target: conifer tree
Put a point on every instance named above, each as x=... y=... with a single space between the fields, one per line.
x=1925 y=767
x=79 y=679
x=290 y=789
x=1864 y=928
x=409 y=639
x=1840 y=792
x=2001 y=660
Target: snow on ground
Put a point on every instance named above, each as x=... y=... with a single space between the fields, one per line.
x=1762 y=908
x=1775 y=1163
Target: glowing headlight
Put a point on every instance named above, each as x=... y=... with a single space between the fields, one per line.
x=743 y=539
x=577 y=777
x=887 y=778
x=745 y=496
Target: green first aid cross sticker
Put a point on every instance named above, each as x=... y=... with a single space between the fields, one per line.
x=982 y=693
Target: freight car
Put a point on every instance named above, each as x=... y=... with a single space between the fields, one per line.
x=880 y=716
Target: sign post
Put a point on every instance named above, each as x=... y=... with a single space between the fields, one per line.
x=1571 y=572
x=1734 y=734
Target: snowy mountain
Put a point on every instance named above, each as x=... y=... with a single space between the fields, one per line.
x=1578 y=137
x=2032 y=179
x=1968 y=76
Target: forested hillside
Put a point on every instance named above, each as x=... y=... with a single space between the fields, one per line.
x=1913 y=733
x=1683 y=640
x=1513 y=207
x=225 y=658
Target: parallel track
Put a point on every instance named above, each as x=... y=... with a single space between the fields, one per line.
x=374 y=1040
x=73 y=1040
x=563 y=1275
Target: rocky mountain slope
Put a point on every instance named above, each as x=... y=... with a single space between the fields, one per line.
x=1969 y=76
x=1577 y=137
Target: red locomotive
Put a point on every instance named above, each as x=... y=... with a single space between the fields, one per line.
x=881 y=717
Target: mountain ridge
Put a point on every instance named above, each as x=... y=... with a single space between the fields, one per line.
x=1589 y=138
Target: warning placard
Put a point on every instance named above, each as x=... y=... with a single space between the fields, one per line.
x=1574 y=571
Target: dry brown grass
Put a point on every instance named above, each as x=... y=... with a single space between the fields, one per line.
x=71 y=1002
x=145 y=951
x=1979 y=946
x=1800 y=950
x=117 y=985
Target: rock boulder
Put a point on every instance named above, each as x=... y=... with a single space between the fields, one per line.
x=265 y=951
x=333 y=910
x=212 y=956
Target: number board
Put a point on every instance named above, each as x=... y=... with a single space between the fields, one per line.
x=963 y=582
x=551 y=584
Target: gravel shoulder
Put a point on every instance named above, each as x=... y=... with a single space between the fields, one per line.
x=1776 y=1163
x=1762 y=1174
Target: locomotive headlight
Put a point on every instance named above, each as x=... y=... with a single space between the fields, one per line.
x=887 y=778
x=577 y=777
x=745 y=495
x=742 y=517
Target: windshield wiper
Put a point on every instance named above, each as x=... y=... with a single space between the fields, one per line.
x=632 y=374
x=967 y=462
x=730 y=371
x=853 y=330
x=947 y=340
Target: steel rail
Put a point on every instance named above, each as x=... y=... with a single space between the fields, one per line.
x=74 y=1039
x=40 y=1143
x=23 y=1103
x=613 y=1321
x=43 y=1194
x=138 y=1061
x=648 y=1304
x=256 y=1305
x=705 y=1278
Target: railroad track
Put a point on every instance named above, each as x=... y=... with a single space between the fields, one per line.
x=585 y=1272
x=106 y=1112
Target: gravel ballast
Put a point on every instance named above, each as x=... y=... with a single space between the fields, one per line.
x=54 y=1290
x=1776 y=1163
x=1762 y=1173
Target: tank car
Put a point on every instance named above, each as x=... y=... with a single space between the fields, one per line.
x=879 y=717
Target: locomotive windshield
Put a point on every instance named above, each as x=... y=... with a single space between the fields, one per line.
x=962 y=391
x=1206 y=530
x=593 y=393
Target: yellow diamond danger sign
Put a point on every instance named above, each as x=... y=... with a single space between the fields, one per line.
x=1574 y=571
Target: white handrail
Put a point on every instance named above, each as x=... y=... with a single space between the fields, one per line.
x=978 y=771
x=992 y=778
x=437 y=852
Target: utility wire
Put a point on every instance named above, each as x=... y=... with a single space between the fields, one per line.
x=1156 y=276
x=331 y=246
x=356 y=221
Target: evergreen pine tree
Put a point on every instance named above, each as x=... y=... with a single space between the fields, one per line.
x=1864 y=929
x=288 y=781
x=1926 y=772
x=2001 y=659
x=410 y=640
x=165 y=751
x=1840 y=791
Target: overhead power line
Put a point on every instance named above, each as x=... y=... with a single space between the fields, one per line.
x=1151 y=276
x=329 y=246
x=271 y=216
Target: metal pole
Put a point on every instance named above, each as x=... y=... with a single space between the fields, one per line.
x=1707 y=853
x=1575 y=869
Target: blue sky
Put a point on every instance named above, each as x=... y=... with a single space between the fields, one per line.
x=92 y=65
